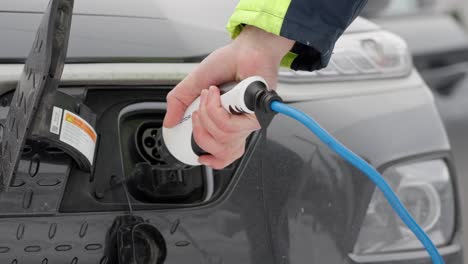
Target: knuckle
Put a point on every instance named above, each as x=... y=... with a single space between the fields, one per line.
x=226 y=126
x=172 y=94
x=220 y=152
x=221 y=119
x=170 y=97
x=222 y=137
x=216 y=151
x=207 y=144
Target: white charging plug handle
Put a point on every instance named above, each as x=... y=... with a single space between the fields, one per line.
x=178 y=139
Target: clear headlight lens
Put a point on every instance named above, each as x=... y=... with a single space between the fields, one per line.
x=425 y=188
x=369 y=55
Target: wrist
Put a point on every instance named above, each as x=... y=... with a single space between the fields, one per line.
x=272 y=45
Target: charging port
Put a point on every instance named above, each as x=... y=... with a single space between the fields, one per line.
x=150 y=180
x=127 y=122
x=146 y=141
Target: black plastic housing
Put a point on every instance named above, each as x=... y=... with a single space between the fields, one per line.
x=118 y=158
x=36 y=94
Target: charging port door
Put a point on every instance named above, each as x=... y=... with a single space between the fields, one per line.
x=38 y=111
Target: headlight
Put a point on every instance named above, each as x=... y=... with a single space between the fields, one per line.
x=357 y=56
x=425 y=189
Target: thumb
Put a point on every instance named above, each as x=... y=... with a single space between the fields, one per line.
x=184 y=94
x=216 y=69
x=175 y=111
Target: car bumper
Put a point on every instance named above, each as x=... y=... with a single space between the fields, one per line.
x=452 y=254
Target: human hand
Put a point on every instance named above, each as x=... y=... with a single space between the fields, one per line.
x=253 y=52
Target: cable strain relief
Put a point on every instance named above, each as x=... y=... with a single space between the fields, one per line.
x=267 y=98
x=263 y=110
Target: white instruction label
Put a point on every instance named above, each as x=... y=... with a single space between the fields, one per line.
x=56 y=120
x=77 y=133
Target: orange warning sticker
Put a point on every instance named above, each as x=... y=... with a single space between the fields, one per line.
x=77 y=133
x=77 y=121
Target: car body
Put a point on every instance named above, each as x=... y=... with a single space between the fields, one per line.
x=439 y=44
x=289 y=199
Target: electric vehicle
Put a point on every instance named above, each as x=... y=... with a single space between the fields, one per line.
x=289 y=199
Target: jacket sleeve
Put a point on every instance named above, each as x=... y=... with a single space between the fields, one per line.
x=315 y=25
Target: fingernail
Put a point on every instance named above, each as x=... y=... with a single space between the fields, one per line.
x=210 y=95
x=216 y=90
x=195 y=118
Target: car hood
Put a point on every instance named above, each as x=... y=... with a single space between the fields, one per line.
x=115 y=31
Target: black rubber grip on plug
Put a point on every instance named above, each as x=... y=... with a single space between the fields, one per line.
x=252 y=93
x=196 y=149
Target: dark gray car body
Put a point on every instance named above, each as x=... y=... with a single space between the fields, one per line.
x=439 y=45
x=288 y=200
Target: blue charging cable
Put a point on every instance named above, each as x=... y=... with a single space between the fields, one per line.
x=367 y=169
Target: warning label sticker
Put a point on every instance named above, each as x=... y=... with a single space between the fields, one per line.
x=77 y=133
x=56 y=120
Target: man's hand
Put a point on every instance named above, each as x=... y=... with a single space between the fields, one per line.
x=253 y=52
